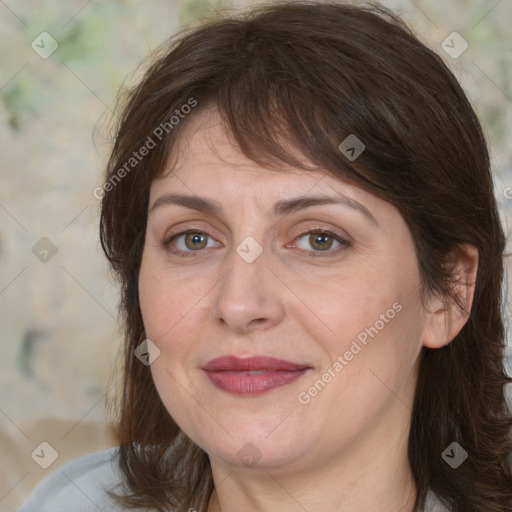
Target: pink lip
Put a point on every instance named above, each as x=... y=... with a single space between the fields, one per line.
x=231 y=373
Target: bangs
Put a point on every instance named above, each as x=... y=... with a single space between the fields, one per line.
x=275 y=103
x=276 y=123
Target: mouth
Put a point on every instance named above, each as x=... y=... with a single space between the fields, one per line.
x=252 y=375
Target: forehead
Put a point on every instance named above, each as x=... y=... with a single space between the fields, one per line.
x=207 y=162
x=205 y=140
x=218 y=179
x=205 y=153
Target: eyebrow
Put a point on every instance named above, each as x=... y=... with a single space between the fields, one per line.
x=283 y=207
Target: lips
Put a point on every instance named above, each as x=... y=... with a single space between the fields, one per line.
x=252 y=375
x=236 y=364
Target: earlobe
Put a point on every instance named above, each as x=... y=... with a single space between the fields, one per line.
x=445 y=318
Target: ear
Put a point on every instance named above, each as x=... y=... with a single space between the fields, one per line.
x=445 y=319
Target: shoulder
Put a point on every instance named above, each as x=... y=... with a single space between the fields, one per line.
x=81 y=485
x=433 y=504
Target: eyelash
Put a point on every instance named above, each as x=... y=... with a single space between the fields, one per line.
x=313 y=254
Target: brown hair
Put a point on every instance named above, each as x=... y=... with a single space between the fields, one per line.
x=293 y=80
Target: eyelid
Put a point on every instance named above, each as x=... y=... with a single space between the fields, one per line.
x=183 y=229
x=172 y=237
x=343 y=241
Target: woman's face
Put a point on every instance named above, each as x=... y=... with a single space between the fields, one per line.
x=271 y=269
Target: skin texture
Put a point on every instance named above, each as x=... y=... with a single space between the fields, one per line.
x=346 y=448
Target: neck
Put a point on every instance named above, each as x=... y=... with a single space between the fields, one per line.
x=372 y=474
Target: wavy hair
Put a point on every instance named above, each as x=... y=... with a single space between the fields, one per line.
x=293 y=80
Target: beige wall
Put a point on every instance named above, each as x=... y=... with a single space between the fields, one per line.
x=59 y=334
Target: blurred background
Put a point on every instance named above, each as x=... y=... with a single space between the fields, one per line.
x=61 y=67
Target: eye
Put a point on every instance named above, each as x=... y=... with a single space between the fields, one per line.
x=320 y=241
x=188 y=242
x=192 y=242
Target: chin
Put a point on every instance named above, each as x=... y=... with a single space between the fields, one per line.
x=258 y=445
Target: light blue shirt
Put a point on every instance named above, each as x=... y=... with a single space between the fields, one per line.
x=79 y=486
x=82 y=484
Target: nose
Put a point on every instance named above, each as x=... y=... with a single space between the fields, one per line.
x=249 y=295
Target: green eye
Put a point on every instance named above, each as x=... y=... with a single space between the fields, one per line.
x=321 y=241
x=195 y=241
x=188 y=242
x=191 y=243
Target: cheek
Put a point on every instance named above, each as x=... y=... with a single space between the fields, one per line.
x=375 y=306
x=168 y=303
x=345 y=307
x=173 y=317
x=371 y=330
x=373 y=367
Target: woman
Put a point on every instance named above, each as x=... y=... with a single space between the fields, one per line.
x=300 y=211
